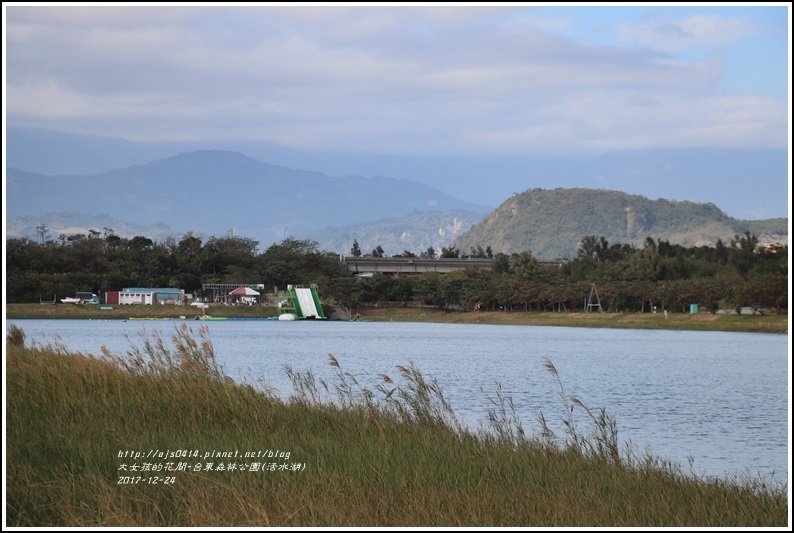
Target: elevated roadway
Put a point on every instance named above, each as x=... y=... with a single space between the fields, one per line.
x=411 y=265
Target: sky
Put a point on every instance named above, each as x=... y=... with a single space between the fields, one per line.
x=451 y=80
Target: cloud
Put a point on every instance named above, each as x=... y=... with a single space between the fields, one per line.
x=400 y=80
x=620 y=121
x=118 y=16
x=677 y=35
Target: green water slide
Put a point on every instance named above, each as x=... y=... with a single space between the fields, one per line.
x=306 y=303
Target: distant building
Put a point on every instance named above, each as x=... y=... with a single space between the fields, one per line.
x=151 y=296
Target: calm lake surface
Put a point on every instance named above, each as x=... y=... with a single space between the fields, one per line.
x=718 y=398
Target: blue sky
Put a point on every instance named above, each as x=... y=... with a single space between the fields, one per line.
x=482 y=80
x=755 y=56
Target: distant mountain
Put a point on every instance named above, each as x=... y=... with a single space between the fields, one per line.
x=551 y=223
x=52 y=152
x=67 y=223
x=415 y=232
x=745 y=182
x=211 y=191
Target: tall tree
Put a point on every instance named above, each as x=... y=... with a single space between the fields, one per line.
x=430 y=253
x=42 y=230
x=588 y=247
x=501 y=264
x=524 y=265
x=451 y=252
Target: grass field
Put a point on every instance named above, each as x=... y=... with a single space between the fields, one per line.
x=388 y=457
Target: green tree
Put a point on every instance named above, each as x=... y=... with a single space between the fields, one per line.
x=744 y=251
x=501 y=264
x=644 y=264
x=477 y=252
x=588 y=247
x=450 y=252
x=140 y=242
x=721 y=252
x=222 y=252
x=405 y=253
x=523 y=265
x=42 y=230
x=346 y=291
x=403 y=290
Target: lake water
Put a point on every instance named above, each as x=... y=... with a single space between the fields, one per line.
x=718 y=398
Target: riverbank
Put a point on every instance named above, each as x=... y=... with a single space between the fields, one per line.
x=174 y=435
x=703 y=322
x=124 y=312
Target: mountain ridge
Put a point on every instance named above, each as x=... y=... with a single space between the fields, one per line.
x=210 y=191
x=701 y=174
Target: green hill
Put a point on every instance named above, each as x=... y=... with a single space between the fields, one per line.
x=551 y=223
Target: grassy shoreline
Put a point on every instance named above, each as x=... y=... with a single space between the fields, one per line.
x=125 y=312
x=703 y=322
x=364 y=465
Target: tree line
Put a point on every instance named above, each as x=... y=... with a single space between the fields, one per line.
x=92 y=262
x=657 y=274
x=629 y=278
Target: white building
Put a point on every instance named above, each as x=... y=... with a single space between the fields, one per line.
x=151 y=296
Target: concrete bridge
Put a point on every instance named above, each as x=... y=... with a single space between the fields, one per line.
x=419 y=265
x=411 y=265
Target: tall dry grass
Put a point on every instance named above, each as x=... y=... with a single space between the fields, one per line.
x=390 y=455
x=155 y=356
